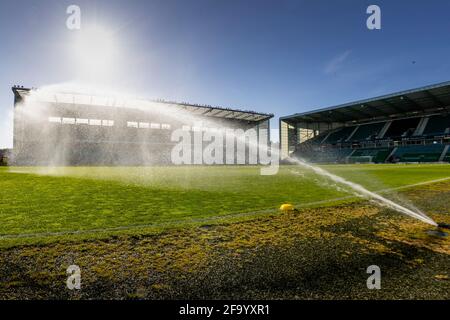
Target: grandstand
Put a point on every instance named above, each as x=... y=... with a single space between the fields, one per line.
x=70 y=128
x=407 y=126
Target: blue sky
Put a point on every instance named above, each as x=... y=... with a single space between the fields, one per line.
x=271 y=56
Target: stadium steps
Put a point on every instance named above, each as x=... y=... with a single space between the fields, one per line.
x=384 y=129
x=316 y=140
x=444 y=153
x=366 y=131
x=402 y=128
x=392 y=153
x=421 y=127
x=351 y=134
x=446 y=157
x=351 y=154
x=339 y=135
x=437 y=125
x=326 y=137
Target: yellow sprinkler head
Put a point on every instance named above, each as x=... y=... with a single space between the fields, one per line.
x=287 y=207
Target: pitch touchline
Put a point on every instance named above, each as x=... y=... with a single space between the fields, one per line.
x=242 y=214
x=378 y=191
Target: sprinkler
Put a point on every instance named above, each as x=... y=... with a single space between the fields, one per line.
x=444 y=226
x=440 y=230
x=287 y=207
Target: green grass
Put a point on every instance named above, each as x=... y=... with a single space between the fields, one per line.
x=267 y=255
x=43 y=200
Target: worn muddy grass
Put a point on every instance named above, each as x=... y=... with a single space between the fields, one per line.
x=319 y=253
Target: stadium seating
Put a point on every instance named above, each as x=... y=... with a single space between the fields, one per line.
x=367 y=131
x=402 y=128
x=317 y=139
x=324 y=155
x=365 y=146
x=437 y=125
x=408 y=126
x=376 y=155
x=339 y=135
x=422 y=153
x=446 y=158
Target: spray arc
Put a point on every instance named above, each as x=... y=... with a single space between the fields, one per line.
x=363 y=192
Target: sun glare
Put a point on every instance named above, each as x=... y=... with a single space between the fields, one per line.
x=96 y=52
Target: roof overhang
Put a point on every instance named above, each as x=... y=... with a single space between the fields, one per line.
x=420 y=101
x=21 y=93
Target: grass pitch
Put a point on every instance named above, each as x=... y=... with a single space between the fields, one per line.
x=41 y=202
x=216 y=233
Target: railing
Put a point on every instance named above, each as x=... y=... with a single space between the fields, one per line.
x=388 y=143
x=377 y=143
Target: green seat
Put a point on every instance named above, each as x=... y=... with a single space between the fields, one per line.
x=428 y=153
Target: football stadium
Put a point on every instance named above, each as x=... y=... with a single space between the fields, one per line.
x=268 y=185
x=121 y=217
x=408 y=126
x=70 y=128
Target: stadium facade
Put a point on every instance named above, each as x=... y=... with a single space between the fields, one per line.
x=67 y=128
x=407 y=126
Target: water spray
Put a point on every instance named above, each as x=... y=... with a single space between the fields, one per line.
x=363 y=192
x=126 y=101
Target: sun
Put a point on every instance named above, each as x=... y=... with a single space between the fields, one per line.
x=96 y=51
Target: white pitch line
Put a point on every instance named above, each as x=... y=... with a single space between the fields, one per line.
x=378 y=191
x=414 y=185
x=242 y=214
